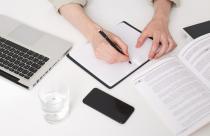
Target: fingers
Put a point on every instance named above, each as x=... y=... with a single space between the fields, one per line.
x=115 y=56
x=141 y=40
x=121 y=44
x=105 y=51
x=109 y=54
x=162 y=44
x=155 y=45
x=172 y=44
x=163 y=48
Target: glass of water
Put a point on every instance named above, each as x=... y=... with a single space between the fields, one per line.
x=55 y=102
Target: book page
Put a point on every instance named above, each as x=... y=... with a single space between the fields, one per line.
x=196 y=56
x=181 y=100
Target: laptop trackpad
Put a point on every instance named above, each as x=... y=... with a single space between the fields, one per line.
x=26 y=35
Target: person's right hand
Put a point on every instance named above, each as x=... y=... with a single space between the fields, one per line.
x=104 y=51
x=75 y=14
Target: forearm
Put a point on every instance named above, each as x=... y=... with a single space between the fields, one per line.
x=75 y=14
x=162 y=9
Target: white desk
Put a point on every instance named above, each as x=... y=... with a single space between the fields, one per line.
x=20 y=112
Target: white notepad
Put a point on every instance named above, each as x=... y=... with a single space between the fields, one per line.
x=112 y=74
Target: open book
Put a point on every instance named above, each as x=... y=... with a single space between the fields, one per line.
x=112 y=74
x=178 y=88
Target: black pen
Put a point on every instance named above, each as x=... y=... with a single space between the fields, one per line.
x=115 y=46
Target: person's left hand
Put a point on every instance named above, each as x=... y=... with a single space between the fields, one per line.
x=163 y=42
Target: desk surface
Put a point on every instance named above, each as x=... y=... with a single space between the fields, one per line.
x=20 y=109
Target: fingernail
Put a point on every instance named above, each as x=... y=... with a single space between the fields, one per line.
x=156 y=57
x=151 y=56
x=127 y=53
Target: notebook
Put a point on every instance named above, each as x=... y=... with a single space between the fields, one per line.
x=198 y=30
x=111 y=75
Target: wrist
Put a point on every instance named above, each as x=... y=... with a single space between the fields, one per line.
x=93 y=30
x=162 y=10
x=161 y=17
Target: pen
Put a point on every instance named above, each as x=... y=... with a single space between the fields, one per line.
x=115 y=46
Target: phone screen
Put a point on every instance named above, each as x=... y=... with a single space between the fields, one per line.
x=198 y=29
x=108 y=105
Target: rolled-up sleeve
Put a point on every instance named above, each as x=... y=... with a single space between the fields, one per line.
x=176 y=2
x=59 y=3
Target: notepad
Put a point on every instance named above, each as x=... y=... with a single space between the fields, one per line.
x=112 y=74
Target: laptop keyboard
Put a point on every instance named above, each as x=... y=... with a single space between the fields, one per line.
x=20 y=60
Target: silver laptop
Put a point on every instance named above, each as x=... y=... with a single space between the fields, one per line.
x=27 y=54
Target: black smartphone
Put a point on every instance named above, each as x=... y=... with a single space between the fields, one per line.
x=198 y=30
x=108 y=105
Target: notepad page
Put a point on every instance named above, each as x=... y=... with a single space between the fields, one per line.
x=130 y=36
x=111 y=73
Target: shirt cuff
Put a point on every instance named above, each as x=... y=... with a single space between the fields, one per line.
x=59 y=3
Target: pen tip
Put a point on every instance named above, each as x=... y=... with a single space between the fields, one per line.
x=129 y=62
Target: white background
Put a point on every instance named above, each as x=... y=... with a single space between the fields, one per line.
x=20 y=111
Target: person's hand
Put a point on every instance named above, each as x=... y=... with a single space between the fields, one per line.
x=75 y=14
x=106 y=52
x=163 y=42
x=157 y=28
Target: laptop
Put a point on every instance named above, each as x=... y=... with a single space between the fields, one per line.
x=27 y=54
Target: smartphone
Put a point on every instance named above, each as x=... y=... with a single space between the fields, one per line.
x=108 y=105
x=198 y=30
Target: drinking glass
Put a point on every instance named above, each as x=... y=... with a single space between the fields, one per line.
x=55 y=102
